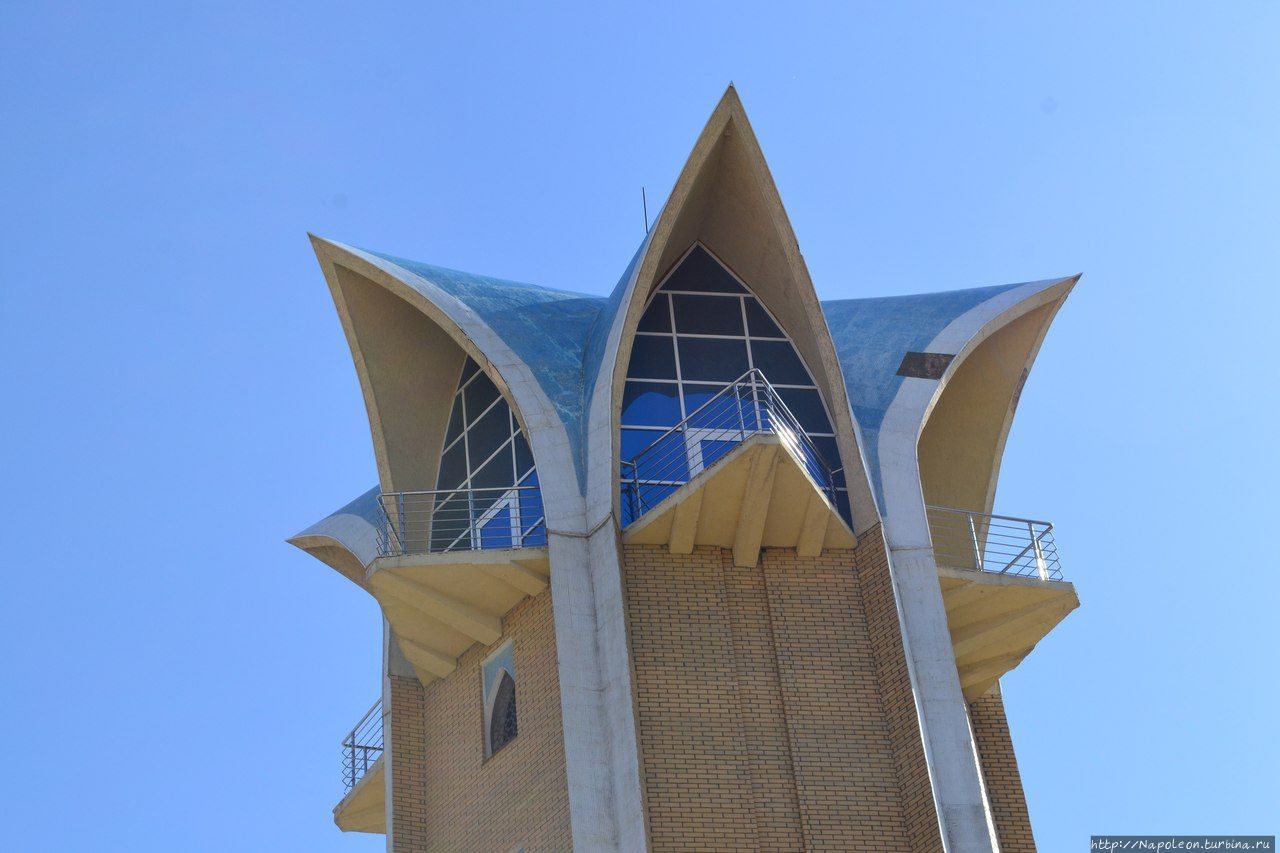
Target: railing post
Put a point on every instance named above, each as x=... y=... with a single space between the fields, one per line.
x=973 y=533
x=473 y=522
x=517 y=520
x=400 y=525
x=1035 y=541
x=742 y=421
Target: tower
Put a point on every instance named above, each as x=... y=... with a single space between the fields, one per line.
x=704 y=564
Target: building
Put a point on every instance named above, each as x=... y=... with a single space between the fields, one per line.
x=706 y=564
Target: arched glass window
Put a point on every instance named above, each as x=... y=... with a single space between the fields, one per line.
x=486 y=488
x=499 y=694
x=502 y=719
x=703 y=329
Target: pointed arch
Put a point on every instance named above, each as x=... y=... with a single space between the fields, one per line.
x=725 y=198
x=501 y=720
x=409 y=339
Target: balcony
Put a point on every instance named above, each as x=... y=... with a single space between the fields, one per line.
x=443 y=521
x=452 y=564
x=739 y=472
x=1002 y=588
x=363 y=808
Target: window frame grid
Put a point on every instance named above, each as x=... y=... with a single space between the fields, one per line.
x=674 y=334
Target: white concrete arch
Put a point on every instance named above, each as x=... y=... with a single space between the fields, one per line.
x=726 y=199
x=408 y=338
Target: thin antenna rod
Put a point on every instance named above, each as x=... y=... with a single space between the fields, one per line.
x=645 y=201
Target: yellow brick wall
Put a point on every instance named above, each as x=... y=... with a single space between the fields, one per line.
x=698 y=777
x=446 y=796
x=761 y=704
x=1000 y=772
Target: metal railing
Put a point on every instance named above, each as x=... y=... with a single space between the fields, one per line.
x=362 y=747
x=748 y=406
x=993 y=543
x=461 y=520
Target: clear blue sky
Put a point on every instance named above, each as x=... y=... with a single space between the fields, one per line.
x=179 y=396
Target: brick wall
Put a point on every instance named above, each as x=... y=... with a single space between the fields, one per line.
x=1000 y=772
x=698 y=777
x=765 y=704
x=446 y=796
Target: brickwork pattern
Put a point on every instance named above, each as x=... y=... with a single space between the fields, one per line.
x=895 y=685
x=1000 y=773
x=698 y=779
x=760 y=710
x=845 y=771
x=774 y=799
x=445 y=795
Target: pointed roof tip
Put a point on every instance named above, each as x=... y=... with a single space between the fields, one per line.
x=1069 y=280
x=729 y=109
x=730 y=98
x=318 y=241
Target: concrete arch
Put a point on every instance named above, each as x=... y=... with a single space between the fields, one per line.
x=959 y=792
x=408 y=338
x=726 y=199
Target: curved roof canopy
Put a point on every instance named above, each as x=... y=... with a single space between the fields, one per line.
x=873 y=336
x=563 y=338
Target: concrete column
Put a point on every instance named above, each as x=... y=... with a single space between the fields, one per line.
x=595 y=692
x=950 y=750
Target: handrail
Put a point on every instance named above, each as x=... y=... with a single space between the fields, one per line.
x=999 y=544
x=463 y=519
x=748 y=406
x=362 y=746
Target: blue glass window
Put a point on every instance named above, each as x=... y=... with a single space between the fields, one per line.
x=722 y=359
x=654 y=404
x=705 y=315
x=759 y=323
x=785 y=366
x=657 y=317
x=699 y=272
x=653 y=357
x=485 y=457
x=721 y=331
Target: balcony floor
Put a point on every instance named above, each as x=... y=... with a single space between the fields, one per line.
x=363 y=809
x=439 y=605
x=996 y=620
x=757 y=495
